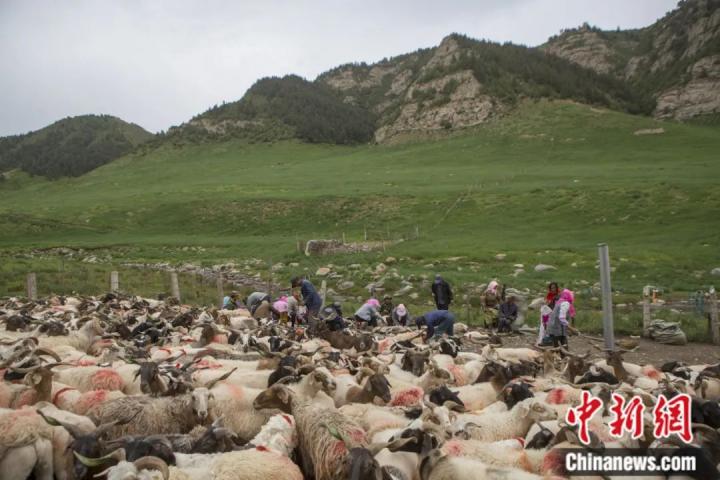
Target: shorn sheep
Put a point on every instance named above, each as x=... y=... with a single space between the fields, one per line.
x=318 y=429
x=178 y=414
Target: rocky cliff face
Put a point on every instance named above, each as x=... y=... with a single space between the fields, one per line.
x=586 y=48
x=411 y=97
x=674 y=59
x=698 y=97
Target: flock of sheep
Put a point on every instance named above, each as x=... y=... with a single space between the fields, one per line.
x=134 y=388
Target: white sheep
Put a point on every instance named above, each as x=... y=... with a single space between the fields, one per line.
x=504 y=425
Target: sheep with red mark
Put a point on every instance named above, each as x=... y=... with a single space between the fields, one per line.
x=73 y=400
x=29 y=445
x=90 y=378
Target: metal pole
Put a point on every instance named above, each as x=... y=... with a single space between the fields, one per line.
x=608 y=331
x=714 y=324
x=647 y=315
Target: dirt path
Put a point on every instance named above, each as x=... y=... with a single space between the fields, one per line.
x=648 y=351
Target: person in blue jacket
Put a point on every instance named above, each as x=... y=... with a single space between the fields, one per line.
x=310 y=297
x=437 y=323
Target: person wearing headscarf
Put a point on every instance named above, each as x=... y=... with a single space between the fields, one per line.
x=490 y=302
x=561 y=317
x=553 y=294
x=280 y=309
x=369 y=313
x=442 y=293
x=400 y=315
x=437 y=322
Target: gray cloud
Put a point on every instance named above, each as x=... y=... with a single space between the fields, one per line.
x=158 y=63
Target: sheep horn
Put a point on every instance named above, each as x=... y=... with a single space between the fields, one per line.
x=71 y=429
x=118 y=455
x=153 y=463
x=32 y=369
x=375 y=448
x=365 y=372
x=47 y=351
x=224 y=376
x=286 y=379
x=454 y=406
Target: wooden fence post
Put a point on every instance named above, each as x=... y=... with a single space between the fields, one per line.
x=32 y=286
x=344 y=242
x=221 y=295
x=366 y=234
x=174 y=285
x=647 y=315
x=114 y=281
x=323 y=293
x=714 y=325
x=417 y=232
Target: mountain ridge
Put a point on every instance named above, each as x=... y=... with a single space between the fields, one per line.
x=71 y=146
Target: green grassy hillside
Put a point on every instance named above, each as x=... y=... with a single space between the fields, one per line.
x=543 y=185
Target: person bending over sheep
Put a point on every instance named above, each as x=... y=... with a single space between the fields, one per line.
x=437 y=323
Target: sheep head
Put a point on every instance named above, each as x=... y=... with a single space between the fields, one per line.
x=200 y=399
x=535 y=410
x=278 y=396
x=414 y=361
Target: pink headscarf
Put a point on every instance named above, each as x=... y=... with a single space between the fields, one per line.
x=373 y=302
x=568 y=296
x=492 y=287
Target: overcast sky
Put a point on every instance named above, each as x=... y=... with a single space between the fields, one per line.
x=158 y=63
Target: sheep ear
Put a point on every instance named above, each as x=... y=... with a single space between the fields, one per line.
x=284 y=395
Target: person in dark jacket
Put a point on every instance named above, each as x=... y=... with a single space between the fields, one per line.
x=386 y=308
x=441 y=293
x=507 y=314
x=311 y=299
x=437 y=323
x=333 y=321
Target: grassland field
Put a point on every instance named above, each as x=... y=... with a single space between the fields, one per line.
x=543 y=184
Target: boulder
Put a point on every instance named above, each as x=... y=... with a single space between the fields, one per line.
x=500 y=256
x=404 y=291
x=346 y=285
x=390 y=260
x=536 y=303
x=354 y=266
x=322 y=271
x=541 y=267
x=715 y=271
